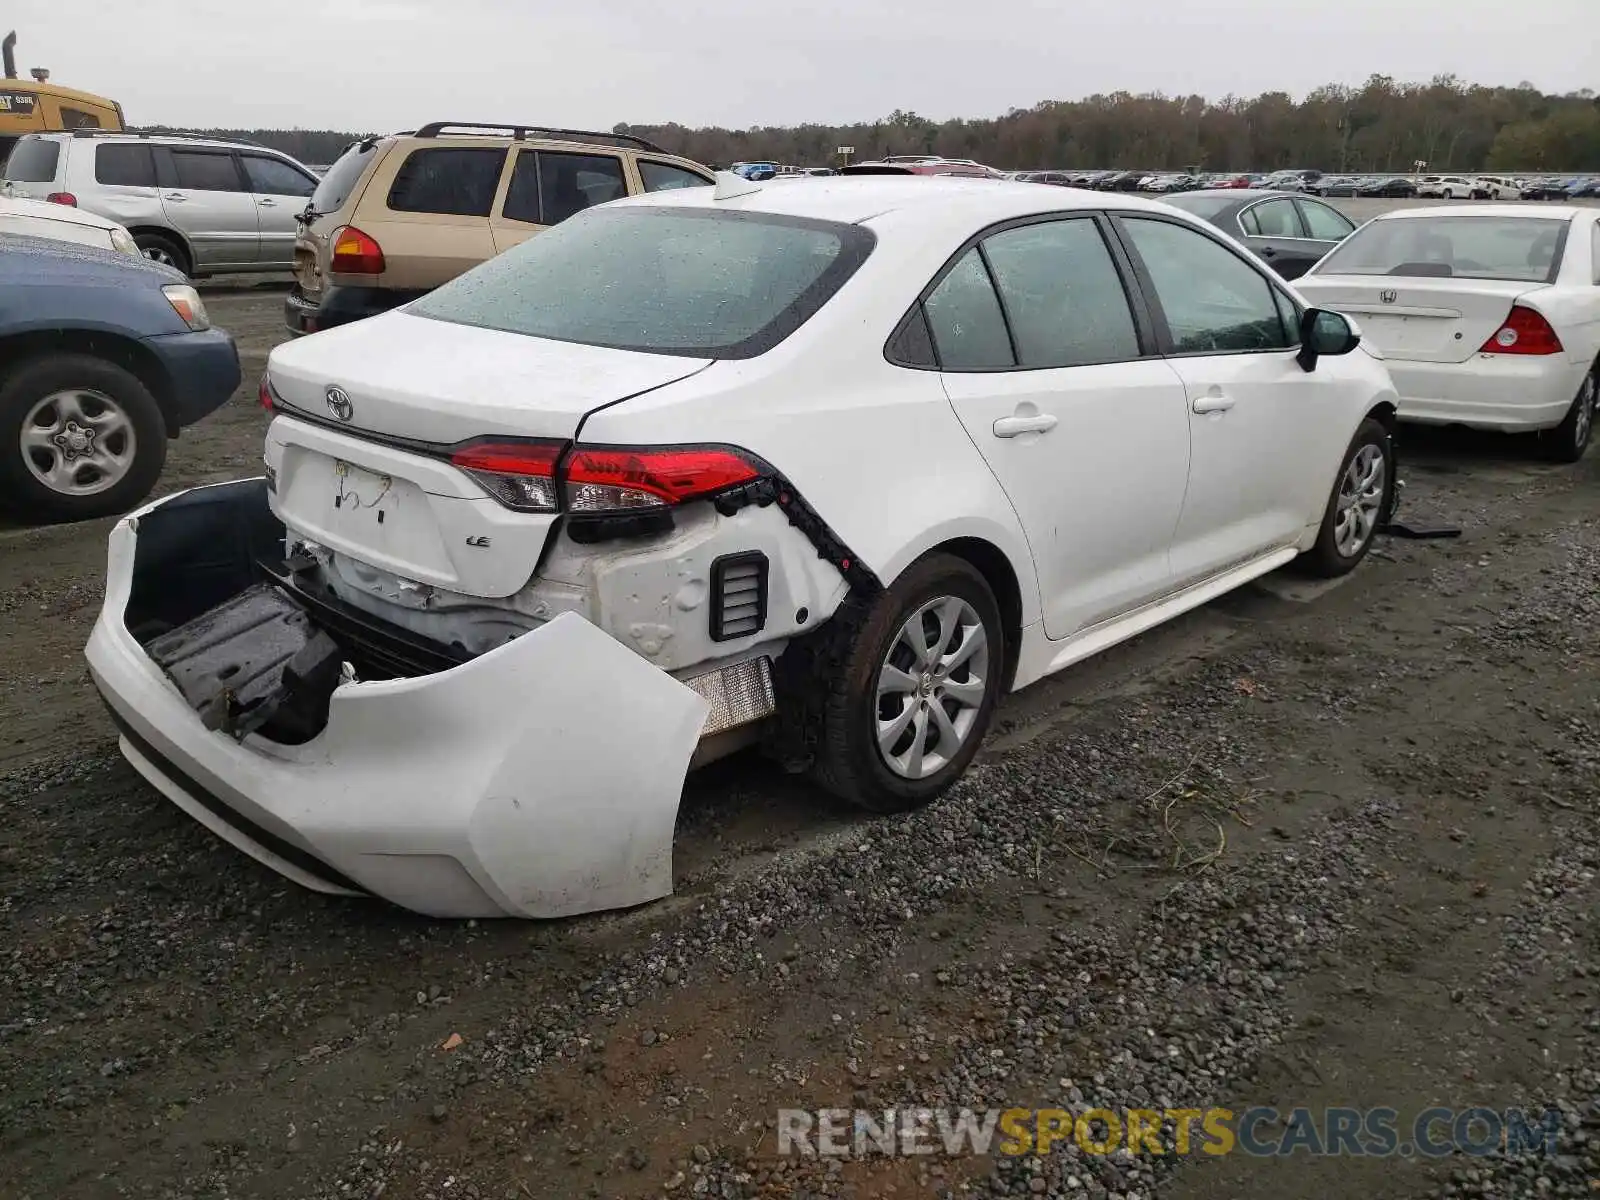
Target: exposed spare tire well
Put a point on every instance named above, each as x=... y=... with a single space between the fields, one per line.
x=126 y=352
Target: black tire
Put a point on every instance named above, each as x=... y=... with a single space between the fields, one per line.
x=1326 y=558
x=848 y=761
x=36 y=379
x=1568 y=441
x=163 y=249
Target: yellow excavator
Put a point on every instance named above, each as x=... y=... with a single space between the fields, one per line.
x=37 y=105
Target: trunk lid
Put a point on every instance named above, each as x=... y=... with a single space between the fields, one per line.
x=404 y=508
x=1419 y=319
x=437 y=382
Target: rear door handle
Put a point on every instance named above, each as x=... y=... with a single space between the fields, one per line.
x=267 y=203
x=179 y=196
x=1010 y=427
x=1214 y=402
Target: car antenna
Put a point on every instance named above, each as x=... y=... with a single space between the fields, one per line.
x=730 y=185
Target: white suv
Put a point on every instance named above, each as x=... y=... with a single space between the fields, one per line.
x=829 y=467
x=202 y=205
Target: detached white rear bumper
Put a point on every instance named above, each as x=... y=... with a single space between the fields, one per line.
x=541 y=779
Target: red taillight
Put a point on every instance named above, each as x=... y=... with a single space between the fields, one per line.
x=354 y=253
x=66 y=198
x=1525 y=332
x=519 y=474
x=603 y=479
x=265 y=394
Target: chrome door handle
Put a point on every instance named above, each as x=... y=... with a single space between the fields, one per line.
x=267 y=203
x=1010 y=427
x=1215 y=402
x=179 y=196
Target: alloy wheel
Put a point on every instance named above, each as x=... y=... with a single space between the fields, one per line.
x=1584 y=418
x=931 y=687
x=78 y=442
x=1360 y=500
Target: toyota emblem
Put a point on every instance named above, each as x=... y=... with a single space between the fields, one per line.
x=339 y=403
x=1386 y=296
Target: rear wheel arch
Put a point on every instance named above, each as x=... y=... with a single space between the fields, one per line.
x=991 y=562
x=170 y=235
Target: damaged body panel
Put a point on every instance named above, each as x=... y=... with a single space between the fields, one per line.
x=491 y=787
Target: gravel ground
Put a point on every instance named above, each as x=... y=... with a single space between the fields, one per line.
x=1305 y=846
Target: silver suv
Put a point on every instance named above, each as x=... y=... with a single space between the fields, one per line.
x=200 y=204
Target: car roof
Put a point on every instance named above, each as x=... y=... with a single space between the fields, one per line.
x=1481 y=210
x=854 y=199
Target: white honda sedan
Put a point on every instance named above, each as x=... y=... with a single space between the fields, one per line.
x=1488 y=316
x=830 y=468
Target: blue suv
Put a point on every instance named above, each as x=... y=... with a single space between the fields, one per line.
x=103 y=358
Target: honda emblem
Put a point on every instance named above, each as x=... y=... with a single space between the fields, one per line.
x=1388 y=297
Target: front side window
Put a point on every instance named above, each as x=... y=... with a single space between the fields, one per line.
x=664 y=177
x=1063 y=295
x=1521 y=249
x=660 y=280
x=447 y=181
x=274 y=177
x=969 y=330
x=1213 y=301
x=206 y=171
x=1325 y=223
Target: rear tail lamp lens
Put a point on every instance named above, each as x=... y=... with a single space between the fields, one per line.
x=355 y=253
x=519 y=474
x=606 y=479
x=264 y=394
x=1525 y=332
x=66 y=198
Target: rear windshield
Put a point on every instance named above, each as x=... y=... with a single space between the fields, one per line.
x=1522 y=249
x=33 y=160
x=342 y=178
x=1207 y=208
x=660 y=280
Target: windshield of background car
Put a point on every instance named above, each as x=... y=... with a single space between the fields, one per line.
x=1207 y=208
x=660 y=280
x=1522 y=249
x=342 y=177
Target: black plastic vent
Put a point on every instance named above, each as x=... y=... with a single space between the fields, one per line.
x=738 y=595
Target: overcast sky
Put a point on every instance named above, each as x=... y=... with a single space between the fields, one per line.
x=389 y=64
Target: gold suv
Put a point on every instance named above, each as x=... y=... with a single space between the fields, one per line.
x=397 y=216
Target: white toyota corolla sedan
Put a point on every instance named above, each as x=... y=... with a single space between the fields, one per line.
x=829 y=466
x=1488 y=316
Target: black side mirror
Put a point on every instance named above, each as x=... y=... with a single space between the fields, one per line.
x=1324 y=333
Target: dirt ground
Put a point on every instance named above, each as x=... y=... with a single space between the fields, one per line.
x=1306 y=846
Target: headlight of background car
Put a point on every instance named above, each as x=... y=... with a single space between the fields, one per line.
x=188 y=305
x=122 y=240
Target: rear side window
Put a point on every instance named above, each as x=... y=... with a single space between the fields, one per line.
x=969 y=330
x=1324 y=223
x=206 y=171
x=1275 y=218
x=547 y=187
x=449 y=181
x=124 y=165
x=1063 y=295
x=33 y=160
x=664 y=177
x=340 y=181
